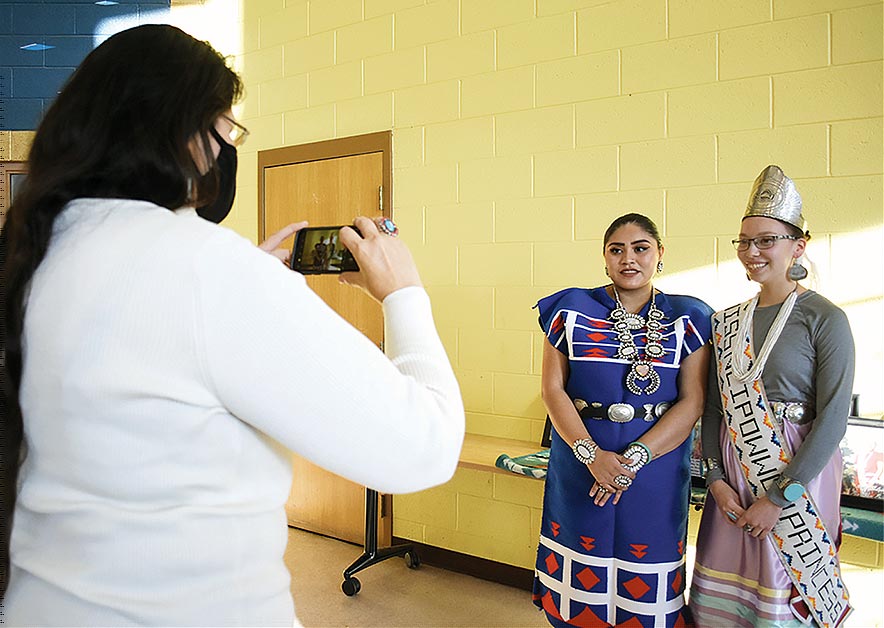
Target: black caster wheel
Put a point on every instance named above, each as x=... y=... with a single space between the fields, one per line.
x=351 y=586
x=412 y=560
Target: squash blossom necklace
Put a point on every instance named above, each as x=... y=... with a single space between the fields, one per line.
x=642 y=369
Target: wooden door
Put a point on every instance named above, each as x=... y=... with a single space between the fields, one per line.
x=326 y=188
x=12 y=175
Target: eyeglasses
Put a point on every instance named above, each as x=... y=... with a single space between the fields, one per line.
x=761 y=242
x=237 y=134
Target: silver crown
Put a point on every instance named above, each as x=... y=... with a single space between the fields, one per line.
x=774 y=195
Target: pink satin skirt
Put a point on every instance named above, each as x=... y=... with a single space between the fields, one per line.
x=739 y=580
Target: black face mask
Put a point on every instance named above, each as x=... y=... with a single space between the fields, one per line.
x=226 y=164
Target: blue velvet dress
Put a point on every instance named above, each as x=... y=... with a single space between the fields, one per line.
x=618 y=564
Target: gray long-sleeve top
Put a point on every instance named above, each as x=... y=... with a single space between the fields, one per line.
x=812 y=362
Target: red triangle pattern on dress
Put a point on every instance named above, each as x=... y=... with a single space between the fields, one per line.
x=549 y=606
x=595 y=352
x=587 y=619
x=557 y=325
x=676 y=582
x=638 y=550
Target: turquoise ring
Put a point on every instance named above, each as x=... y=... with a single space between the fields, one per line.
x=385 y=225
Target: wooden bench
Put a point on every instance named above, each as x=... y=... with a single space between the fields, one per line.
x=481 y=452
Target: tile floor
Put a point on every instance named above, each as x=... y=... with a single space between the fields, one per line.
x=394 y=596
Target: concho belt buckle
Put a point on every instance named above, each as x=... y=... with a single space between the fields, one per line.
x=661 y=408
x=793 y=412
x=621 y=412
x=655 y=411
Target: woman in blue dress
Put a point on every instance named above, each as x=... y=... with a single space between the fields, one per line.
x=624 y=374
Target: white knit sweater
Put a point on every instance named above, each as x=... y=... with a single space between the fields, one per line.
x=168 y=363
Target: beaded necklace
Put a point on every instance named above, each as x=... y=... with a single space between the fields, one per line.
x=746 y=369
x=642 y=369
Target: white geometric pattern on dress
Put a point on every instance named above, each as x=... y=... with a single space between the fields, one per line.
x=671 y=358
x=610 y=598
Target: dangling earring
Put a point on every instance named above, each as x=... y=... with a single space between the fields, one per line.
x=189 y=189
x=607 y=274
x=797 y=272
x=660 y=266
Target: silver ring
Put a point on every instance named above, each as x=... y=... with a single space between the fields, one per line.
x=747 y=528
x=623 y=481
x=602 y=489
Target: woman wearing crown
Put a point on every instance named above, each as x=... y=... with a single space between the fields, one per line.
x=779 y=393
x=624 y=376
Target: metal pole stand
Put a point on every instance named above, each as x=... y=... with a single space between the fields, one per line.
x=372 y=554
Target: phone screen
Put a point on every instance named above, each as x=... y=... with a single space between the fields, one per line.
x=318 y=250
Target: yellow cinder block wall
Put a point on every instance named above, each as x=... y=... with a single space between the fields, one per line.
x=521 y=128
x=14 y=145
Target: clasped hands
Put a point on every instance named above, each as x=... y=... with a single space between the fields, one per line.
x=613 y=475
x=757 y=520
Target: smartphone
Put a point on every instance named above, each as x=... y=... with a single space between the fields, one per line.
x=318 y=251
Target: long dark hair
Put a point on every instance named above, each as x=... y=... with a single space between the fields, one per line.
x=122 y=127
x=634 y=219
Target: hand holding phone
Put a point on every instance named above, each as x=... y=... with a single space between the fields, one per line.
x=385 y=263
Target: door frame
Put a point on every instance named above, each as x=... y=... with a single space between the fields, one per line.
x=379 y=142
x=10 y=172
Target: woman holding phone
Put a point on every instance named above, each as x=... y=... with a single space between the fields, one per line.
x=148 y=406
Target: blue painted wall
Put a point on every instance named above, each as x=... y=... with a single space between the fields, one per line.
x=68 y=29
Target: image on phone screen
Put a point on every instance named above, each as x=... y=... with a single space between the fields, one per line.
x=318 y=250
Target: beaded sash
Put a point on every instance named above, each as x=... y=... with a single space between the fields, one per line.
x=800 y=538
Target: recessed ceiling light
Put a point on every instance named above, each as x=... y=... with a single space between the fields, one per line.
x=37 y=47
x=106 y=3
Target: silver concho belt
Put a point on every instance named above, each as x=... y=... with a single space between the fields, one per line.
x=796 y=412
x=621 y=412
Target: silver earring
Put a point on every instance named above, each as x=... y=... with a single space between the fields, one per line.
x=660 y=266
x=797 y=272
